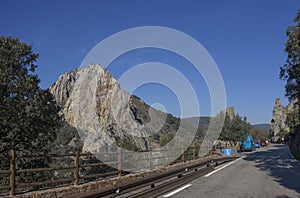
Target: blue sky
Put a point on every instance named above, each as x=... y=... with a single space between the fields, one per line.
x=245 y=38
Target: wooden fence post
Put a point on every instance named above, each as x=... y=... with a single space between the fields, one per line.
x=150 y=157
x=194 y=153
x=76 y=168
x=119 y=162
x=182 y=153
x=12 y=178
x=167 y=155
x=200 y=151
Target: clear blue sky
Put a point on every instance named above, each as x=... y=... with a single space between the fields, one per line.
x=245 y=38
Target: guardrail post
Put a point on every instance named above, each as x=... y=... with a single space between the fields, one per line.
x=182 y=153
x=12 y=178
x=76 y=168
x=119 y=162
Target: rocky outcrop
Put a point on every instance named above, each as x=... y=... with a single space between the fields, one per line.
x=92 y=102
x=230 y=112
x=108 y=119
x=278 y=126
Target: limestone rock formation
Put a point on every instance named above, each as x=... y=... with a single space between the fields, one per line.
x=278 y=126
x=230 y=112
x=103 y=114
x=92 y=101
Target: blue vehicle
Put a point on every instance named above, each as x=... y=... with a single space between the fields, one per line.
x=247 y=144
x=257 y=144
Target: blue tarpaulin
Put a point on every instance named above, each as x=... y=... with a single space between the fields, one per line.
x=226 y=151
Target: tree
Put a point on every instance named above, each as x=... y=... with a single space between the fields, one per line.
x=28 y=115
x=258 y=134
x=291 y=73
x=234 y=129
x=166 y=138
x=291 y=69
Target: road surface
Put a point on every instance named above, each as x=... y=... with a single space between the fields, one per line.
x=267 y=172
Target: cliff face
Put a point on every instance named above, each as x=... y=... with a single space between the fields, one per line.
x=230 y=112
x=278 y=125
x=92 y=101
x=107 y=118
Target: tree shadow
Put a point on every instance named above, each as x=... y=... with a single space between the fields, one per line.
x=279 y=165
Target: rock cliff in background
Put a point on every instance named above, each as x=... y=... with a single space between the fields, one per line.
x=91 y=101
x=278 y=126
x=230 y=112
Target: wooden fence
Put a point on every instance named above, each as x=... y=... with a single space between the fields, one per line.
x=74 y=168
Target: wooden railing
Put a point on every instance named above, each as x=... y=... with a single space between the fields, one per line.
x=75 y=168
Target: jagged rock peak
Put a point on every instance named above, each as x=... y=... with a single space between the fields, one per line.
x=92 y=101
x=230 y=112
x=63 y=87
x=278 y=125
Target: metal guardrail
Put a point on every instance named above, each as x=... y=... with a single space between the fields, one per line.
x=181 y=175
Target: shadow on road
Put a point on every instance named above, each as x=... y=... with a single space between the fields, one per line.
x=277 y=162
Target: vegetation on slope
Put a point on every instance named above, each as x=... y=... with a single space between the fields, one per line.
x=290 y=72
x=235 y=129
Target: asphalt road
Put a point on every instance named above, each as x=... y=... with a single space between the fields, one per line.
x=267 y=172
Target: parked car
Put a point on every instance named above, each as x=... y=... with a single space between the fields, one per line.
x=263 y=143
x=247 y=144
x=257 y=145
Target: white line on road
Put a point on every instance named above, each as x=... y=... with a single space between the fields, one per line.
x=288 y=147
x=209 y=174
x=178 y=190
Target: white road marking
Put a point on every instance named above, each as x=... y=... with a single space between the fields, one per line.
x=290 y=152
x=209 y=174
x=292 y=155
x=177 y=191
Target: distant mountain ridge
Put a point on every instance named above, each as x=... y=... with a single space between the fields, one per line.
x=204 y=122
x=264 y=126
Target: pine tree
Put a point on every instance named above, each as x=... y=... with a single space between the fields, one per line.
x=28 y=115
x=291 y=70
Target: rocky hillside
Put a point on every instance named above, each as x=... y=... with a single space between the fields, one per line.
x=202 y=122
x=278 y=127
x=92 y=102
x=198 y=122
